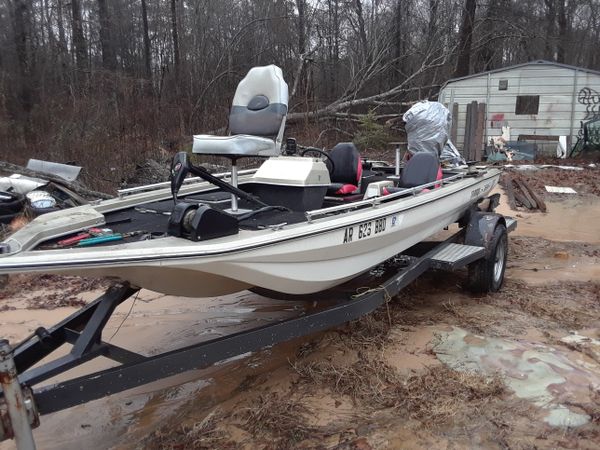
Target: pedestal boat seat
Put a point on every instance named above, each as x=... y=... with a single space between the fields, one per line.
x=256 y=121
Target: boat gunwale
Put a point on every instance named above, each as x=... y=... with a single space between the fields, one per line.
x=375 y=201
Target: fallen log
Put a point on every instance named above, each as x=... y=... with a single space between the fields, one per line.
x=75 y=187
x=540 y=202
x=526 y=193
x=522 y=200
x=507 y=184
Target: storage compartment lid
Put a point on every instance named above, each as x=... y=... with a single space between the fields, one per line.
x=293 y=171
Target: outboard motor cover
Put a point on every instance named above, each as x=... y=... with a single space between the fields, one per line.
x=427 y=127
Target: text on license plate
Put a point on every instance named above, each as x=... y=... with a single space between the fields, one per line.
x=365 y=229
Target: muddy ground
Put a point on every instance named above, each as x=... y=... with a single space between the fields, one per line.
x=435 y=368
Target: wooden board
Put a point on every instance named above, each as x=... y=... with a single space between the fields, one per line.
x=541 y=204
x=479 y=132
x=454 y=129
x=466 y=136
x=526 y=193
x=522 y=200
x=473 y=130
x=507 y=183
x=470 y=126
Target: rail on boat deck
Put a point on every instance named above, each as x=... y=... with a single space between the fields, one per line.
x=165 y=184
x=375 y=201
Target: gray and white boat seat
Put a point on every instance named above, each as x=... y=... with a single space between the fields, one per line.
x=256 y=121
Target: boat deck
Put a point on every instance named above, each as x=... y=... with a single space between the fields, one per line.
x=150 y=220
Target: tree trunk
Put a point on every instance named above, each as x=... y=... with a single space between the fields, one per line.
x=47 y=22
x=550 y=22
x=488 y=50
x=22 y=44
x=362 y=34
x=432 y=25
x=147 y=54
x=78 y=38
x=398 y=41
x=301 y=5
x=175 y=39
x=563 y=25
x=465 y=39
x=334 y=50
x=109 y=59
x=62 y=41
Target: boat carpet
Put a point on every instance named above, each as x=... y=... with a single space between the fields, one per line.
x=154 y=218
x=150 y=220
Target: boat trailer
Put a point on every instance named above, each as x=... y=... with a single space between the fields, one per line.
x=22 y=401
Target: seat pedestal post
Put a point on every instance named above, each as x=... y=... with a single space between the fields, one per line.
x=234 y=182
x=397 y=171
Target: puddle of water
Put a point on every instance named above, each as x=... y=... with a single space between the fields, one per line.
x=548 y=270
x=572 y=219
x=154 y=324
x=545 y=375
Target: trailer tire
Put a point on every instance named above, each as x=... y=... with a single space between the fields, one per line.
x=487 y=274
x=12 y=205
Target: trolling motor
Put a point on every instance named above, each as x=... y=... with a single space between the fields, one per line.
x=194 y=221
x=180 y=167
x=199 y=222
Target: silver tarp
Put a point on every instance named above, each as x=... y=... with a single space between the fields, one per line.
x=428 y=130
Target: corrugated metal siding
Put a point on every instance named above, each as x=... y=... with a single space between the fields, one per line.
x=553 y=84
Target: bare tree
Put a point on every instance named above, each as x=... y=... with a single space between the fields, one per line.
x=22 y=44
x=549 y=50
x=109 y=60
x=78 y=38
x=465 y=39
x=175 y=34
x=563 y=29
x=146 y=37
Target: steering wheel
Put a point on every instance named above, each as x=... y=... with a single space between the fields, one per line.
x=330 y=166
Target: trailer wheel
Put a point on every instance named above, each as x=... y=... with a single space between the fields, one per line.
x=12 y=205
x=487 y=274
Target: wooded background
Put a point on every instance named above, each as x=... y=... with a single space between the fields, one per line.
x=107 y=83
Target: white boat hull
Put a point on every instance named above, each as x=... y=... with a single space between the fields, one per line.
x=297 y=259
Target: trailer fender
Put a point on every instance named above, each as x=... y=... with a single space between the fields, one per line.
x=480 y=228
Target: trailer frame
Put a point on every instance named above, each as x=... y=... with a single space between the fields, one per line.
x=19 y=413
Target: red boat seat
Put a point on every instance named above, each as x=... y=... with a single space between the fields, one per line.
x=347 y=170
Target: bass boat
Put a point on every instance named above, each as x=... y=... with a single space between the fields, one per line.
x=300 y=223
